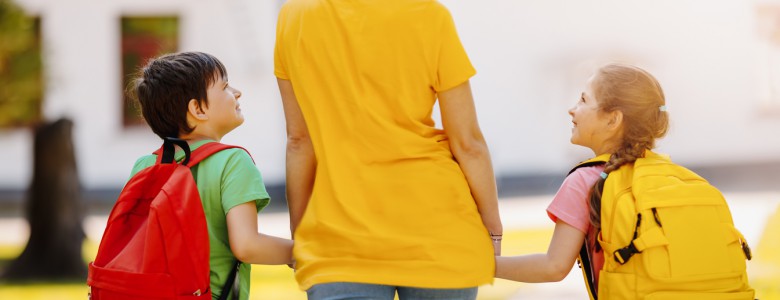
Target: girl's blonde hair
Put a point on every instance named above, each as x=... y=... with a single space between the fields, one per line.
x=639 y=97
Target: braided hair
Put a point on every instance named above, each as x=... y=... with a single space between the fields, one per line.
x=639 y=97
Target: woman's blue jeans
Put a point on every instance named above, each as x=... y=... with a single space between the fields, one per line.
x=363 y=291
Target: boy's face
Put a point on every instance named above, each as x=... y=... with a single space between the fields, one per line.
x=223 y=110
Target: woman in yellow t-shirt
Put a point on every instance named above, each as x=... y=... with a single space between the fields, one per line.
x=381 y=201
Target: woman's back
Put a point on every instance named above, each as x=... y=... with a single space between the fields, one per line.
x=389 y=198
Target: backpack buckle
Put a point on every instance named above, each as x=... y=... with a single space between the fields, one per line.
x=746 y=250
x=622 y=255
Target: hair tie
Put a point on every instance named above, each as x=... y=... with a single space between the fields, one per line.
x=662 y=108
x=603 y=175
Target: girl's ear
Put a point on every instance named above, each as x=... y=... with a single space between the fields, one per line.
x=615 y=119
x=196 y=110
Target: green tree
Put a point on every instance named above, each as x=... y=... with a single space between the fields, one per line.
x=21 y=82
x=53 y=206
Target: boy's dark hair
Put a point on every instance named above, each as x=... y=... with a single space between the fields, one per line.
x=165 y=85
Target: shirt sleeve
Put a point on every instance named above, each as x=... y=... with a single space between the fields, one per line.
x=280 y=69
x=242 y=182
x=142 y=163
x=570 y=203
x=453 y=66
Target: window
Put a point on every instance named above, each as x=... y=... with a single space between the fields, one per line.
x=144 y=38
x=21 y=72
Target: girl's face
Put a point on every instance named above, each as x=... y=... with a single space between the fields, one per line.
x=592 y=127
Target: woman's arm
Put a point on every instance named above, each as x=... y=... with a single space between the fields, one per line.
x=250 y=246
x=551 y=266
x=459 y=119
x=301 y=162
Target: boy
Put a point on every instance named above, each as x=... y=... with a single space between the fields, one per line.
x=187 y=95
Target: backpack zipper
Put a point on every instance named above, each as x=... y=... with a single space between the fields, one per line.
x=655 y=216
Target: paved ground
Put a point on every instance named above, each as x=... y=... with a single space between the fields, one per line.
x=751 y=210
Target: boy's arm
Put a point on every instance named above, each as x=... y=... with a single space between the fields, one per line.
x=459 y=119
x=250 y=246
x=301 y=162
x=551 y=266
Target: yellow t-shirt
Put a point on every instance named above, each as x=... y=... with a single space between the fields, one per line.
x=390 y=204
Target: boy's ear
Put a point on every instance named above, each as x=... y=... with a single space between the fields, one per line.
x=196 y=110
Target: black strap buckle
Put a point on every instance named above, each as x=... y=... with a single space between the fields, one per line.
x=169 y=150
x=622 y=255
x=746 y=250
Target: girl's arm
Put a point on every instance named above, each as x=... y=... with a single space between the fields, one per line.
x=459 y=119
x=250 y=246
x=551 y=266
x=301 y=162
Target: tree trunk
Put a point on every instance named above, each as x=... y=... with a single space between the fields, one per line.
x=54 y=211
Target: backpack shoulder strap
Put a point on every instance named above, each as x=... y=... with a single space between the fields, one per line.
x=165 y=154
x=202 y=152
x=598 y=160
x=208 y=149
x=585 y=262
x=228 y=287
x=587 y=272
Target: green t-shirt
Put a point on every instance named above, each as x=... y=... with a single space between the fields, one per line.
x=225 y=179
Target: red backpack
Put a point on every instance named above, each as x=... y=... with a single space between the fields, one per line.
x=156 y=243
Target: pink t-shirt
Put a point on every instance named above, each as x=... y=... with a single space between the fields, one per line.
x=570 y=205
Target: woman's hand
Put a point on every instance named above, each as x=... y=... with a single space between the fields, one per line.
x=496 y=238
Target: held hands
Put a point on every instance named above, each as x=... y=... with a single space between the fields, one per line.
x=496 y=241
x=292 y=265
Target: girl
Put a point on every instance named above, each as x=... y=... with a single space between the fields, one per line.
x=622 y=112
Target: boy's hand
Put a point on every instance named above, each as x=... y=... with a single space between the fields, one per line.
x=292 y=265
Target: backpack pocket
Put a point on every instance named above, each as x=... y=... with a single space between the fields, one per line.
x=106 y=283
x=697 y=243
x=114 y=283
x=746 y=295
x=704 y=251
x=701 y=239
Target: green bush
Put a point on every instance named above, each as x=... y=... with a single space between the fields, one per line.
x=21 y=79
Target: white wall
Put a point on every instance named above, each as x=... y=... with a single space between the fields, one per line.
x=532 y=57
x=82 y=56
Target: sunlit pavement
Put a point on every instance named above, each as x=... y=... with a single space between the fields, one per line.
x=751 y=212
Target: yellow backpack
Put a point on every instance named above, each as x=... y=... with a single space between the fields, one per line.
x=666 y=233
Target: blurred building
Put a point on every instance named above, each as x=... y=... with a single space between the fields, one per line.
x=718 y=61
